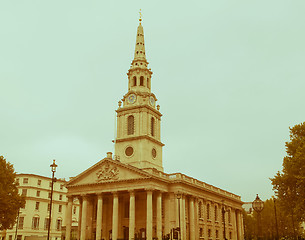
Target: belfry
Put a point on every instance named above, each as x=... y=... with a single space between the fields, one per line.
x=129 y=196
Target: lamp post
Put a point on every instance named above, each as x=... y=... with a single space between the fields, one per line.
x=258 y=206
x=17 y=223
x=53 y=170
x=179 y=197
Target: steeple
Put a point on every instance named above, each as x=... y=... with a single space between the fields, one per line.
x=138 y=140
x=139 y=74
x=139 y=54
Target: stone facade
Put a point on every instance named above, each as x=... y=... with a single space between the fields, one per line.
x=33 y=218
x=129 y=196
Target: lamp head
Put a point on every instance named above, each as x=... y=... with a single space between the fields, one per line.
x=258 y=204
x=53 y=166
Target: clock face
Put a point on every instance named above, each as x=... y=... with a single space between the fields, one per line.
x=132 y=98
x=152 y=101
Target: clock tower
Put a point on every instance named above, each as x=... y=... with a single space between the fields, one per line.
x=138 y=140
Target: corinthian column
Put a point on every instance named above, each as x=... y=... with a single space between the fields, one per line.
x=131 y=215
x=69 y=217
x=192 y=219
x=99 y=218
x=149 y=215
x=159 y=215
x=115 y=216
x=84 y=218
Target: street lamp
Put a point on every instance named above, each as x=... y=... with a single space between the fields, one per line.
x=258 y=206
x=53 y=170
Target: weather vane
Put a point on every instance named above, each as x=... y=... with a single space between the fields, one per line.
x=140 y=15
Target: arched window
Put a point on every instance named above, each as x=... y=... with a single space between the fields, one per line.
x=134 y=81
x=152 y=127
x=141 y=81
x=130 y=125
x=208 y=211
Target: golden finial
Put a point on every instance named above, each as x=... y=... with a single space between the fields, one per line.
x=140 y=19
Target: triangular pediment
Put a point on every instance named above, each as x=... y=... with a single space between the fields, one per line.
x=107 y=170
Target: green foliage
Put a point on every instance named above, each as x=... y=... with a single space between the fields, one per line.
x=289 y=185
x=268 y=222
x=10 y=200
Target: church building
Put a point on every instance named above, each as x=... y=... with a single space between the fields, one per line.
x=129 y=196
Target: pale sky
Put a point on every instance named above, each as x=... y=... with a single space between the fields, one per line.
x=229 y=76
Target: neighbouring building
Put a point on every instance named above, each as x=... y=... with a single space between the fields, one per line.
x=129 y=196
x=33 y=219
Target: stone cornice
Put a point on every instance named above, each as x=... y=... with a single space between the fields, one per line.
x=132 y=107
x=138 y=138
x=138 y=69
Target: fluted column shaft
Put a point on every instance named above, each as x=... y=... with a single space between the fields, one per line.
x=69 y=218
x=149 y=215
x=132 y=215
x=99 y=218
x=159 y=215
x=192 y=219
x=115 y=217
x=84 y=218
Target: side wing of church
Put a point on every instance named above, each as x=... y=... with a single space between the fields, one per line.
x=131 y=197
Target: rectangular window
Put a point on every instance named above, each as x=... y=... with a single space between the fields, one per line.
x=25 y=180
x=49 y=195
x=58 y=224
x=60 y=197
x=35 y=223
x=48 y=207
x=39 y=182
x=24 y=192
x=50 y=184
x=20 y=222
x=74 y=210
x=46 y=224
x=201 y=232
x=59 y=208
x=17 y=181
x=10 y=237
x=37 y=206
x=38 y=194
x=61 y=186
x=19 y=237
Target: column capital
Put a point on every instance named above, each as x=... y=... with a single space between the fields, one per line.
x=179 y=195
x=149 y=189
x=85 y=197
x=115 y=193
x=131 y=192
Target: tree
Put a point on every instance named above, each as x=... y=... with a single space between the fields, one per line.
x=268 y=222
x=289 y=185
x=10 y=200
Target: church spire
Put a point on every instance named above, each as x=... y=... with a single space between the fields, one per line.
x=139 y=54
x=139 y=75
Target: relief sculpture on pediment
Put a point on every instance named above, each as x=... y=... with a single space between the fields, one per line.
x=107 y=172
